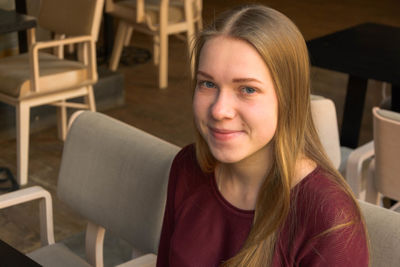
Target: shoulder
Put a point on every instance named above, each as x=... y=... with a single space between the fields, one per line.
x=329 y=228
x=187 y=152
x=185 y=163
x=321 y=194
x=186 y=175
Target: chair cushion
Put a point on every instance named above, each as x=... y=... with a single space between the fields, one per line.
x=57 y=255
x=152 y=8
x=324 y=116
x=55 y=74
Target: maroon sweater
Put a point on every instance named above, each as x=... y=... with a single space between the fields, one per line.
x=202 y=229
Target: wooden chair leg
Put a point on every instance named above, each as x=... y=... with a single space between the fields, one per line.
x=83 y=53
x=128 y=35
x=89 y=99
x=163 y=68
x=22 y=119
x=94 y=244
x=62 y=121
x=118 y=44
x=156 y=50
x=190 y=34
x=199 y=25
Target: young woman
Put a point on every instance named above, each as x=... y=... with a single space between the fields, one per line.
x=257 y=189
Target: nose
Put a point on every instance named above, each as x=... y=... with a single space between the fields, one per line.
x=223 y=106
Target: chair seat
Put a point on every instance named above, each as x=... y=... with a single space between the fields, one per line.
x=344 y=155
x=15 y=75
x=152 y=8
x=57 y=255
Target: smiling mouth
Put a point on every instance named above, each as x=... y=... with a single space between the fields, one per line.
x=223 y=134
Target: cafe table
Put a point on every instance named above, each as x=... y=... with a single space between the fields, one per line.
x=11 y=21
x=365 y=51
x=10 y=256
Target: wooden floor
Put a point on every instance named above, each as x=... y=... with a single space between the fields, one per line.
x=167 y=113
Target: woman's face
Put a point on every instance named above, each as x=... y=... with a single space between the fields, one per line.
x=235 y=104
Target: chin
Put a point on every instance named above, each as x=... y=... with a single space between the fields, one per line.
x=226 y=156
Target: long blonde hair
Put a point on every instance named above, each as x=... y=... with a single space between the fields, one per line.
x=281 y=45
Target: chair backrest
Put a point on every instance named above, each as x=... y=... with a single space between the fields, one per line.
x=383 y=228
x=71 y=17
x=116 y=176
x=387 y=152
x=324 y=116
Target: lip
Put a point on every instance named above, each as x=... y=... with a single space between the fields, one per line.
x=223 y=134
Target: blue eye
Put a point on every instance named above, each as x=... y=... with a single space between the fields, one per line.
x=248 y=90
x=207 y=84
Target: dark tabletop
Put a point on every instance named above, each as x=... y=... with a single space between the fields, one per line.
x=10 y=21
x=9 y=256
x=369 y=51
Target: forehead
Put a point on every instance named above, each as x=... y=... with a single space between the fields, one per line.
x=231 y=57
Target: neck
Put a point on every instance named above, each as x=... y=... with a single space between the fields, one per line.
x=240 y=182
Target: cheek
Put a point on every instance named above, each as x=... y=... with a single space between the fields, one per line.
x=200 y=106
x=265 y=120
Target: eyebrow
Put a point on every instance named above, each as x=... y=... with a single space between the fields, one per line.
x=237 y=80
x=208 y=76
x=241 y=80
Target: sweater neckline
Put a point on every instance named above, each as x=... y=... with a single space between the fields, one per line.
x=221 y=199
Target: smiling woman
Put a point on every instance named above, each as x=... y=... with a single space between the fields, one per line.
x=257 y=188
x=235 y=104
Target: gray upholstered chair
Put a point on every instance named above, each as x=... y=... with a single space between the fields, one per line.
x=374 y=168
x=384 y=234
x=325 y=120
x=40 y=77
x=116 y=177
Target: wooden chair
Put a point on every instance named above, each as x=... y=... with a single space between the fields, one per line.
x=374 y=168
x=159 y=18
x=40 y=78
x=116 y=177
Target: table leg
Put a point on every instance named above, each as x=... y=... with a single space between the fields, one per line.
x=353 y=110
x=396 y=98
x=108 y=35
x=20 y=7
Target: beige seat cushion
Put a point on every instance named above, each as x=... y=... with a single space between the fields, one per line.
x=57 y=255
x=55 y=74
x=152 y=7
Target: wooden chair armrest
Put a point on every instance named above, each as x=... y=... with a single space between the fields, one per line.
x=148 y=260
x=355 y=163
x=66 y=41
x=34 y=56
x=45 y=208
